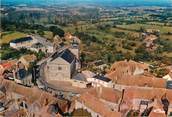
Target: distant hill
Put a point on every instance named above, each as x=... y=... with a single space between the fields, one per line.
x=112 y=3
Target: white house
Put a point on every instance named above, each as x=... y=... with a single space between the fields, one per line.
x=99 y=80
x=88 y=78
x=24 y=42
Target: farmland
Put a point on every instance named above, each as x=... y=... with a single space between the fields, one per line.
x=6 y=37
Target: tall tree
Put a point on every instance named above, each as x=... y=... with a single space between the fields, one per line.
x=57 y=31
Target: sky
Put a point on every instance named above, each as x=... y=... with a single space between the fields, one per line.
x=98 y=2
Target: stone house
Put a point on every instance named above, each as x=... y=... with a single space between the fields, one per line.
x=62 y=65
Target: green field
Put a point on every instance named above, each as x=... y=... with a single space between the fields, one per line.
x=6 y=37
x=109 y=36
x=163 y=29
x=48 y=34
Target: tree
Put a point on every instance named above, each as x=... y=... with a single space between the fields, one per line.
x=142 y=29
x=40 y=55
x=57 y=31
x=40 y=32
x=161 y=72
x=119 y=56
x=109 y=58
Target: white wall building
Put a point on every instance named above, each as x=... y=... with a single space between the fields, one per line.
x=24 y=42
x=98 y=81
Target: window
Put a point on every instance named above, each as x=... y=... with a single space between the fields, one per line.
x=59 y=68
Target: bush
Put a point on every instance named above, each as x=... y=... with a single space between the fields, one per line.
x=161 y=72
x=40 y=32
x=57 y=31
x=119 y=34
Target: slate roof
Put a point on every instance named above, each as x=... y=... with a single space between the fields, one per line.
x=102 y=78
x=20 y=40
x=66 y=54
x=80 y=76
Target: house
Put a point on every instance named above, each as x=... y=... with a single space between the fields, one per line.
x=30 y=102
x=100 y=80
x=34 y=43
x=101 y=102
x=6 y=68
x=149 y=40
x=122 y=68
x=38 y=47
x=7 y=65
x=130 y=67
x=80 y=80
x=147 y=99
x=88 y=78
x=168 y=77
x=61 y=66
x=47 y=46
x=27 y=59
x=23 y=42
x=142 y=81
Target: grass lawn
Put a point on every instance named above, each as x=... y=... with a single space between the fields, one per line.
x=168 y=54
x=48 y=34
x=169 y=37
x=7 y=37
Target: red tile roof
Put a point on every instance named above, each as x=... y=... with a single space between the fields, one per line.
x=141 y=80
x=157 y=113
x=33 y=94
x=107 y=94
x=96 y=105
x=149 y=93
x=128 y=65
x=8 y=64
x=124 y=68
